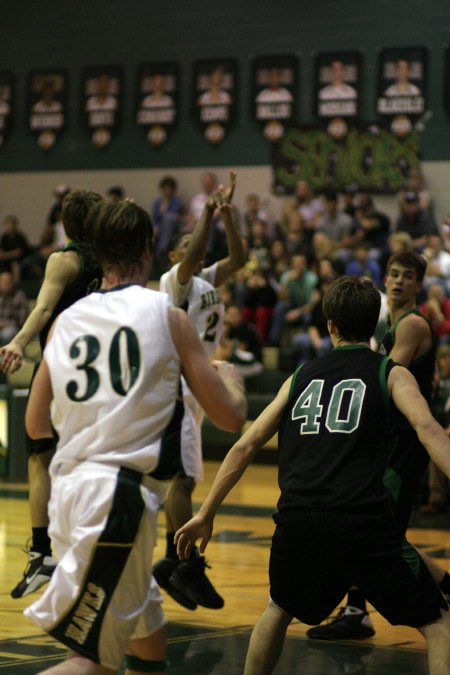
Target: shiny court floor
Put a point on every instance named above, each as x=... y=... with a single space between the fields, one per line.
x=208 y=641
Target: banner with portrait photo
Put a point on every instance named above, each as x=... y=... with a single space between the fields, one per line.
x=214 y=97
x=274 y=93
x=157 y=100
x=402 y=86
x=375 y=159
x=337 y=90
x=47 y=106
x=6 y=105
x=102 y=102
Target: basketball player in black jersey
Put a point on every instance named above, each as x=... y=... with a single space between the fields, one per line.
x=409 y=341
x=70 y=274
x=333 y=422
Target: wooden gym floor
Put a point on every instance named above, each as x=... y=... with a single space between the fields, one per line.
x=214 y=642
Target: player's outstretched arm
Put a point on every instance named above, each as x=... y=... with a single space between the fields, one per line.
x=62 y=268
x=231 y=470
x=408 y=399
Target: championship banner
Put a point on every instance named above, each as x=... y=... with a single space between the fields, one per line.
x=377 y=160
x=6 y=105
x=337 y=90
x=101 y=102
x=214 y=97
x=274 y=92
x=46 y=106
x=402 y=88
x=157 y=100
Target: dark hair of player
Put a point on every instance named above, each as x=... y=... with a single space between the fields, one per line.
x=353 y=305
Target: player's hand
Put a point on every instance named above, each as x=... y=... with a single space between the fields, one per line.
x=229 y=192
x=228 y=371
x=11 y=357
x=224 y=196
x=196 y=528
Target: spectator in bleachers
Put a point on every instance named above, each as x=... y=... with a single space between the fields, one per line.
x=417 y=222
x=279 y=259
x=13 y=308
x=242 y=331
x=33 y=266
x=258 y=300
x=167 y=215
x=437 y=310
x=336 y=224
x=315 y=341
x=115 y=193
x=253 y=211
x=14 y=247
x=349 y=193
x=363 y=266
x=309 y=206
x=415 y=183
x=372 y=226
x=438 y=267
x=55 y=212
x=294 y=233
x=398 y=242
x=227 y=293
x=294 y=297
x=259 y=244
x=324 y=247
x=327 y=268
x=438 y=487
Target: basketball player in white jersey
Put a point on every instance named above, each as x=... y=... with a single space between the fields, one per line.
x=195 y=290
x=112 y=367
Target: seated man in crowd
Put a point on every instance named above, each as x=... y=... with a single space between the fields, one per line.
x=13 y=308
x=295 y=297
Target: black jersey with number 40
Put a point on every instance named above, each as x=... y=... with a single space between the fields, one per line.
x=333 y=437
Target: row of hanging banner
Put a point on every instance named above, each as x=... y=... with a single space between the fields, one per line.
x=275 y=100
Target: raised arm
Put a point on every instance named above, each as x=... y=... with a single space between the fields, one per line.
x=61 y=269
x=231 y=470
x=199 y=238
x=408 y=399
x=197 y=243
x=236 y=251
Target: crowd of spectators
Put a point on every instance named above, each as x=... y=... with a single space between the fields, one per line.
x=291 y=257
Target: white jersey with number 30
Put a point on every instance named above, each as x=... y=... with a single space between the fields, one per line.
x=116 y=380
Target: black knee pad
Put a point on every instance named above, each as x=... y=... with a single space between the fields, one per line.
x=36 y=446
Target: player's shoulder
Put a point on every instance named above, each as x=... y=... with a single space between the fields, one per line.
x=63 y=262
x=415 y=320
